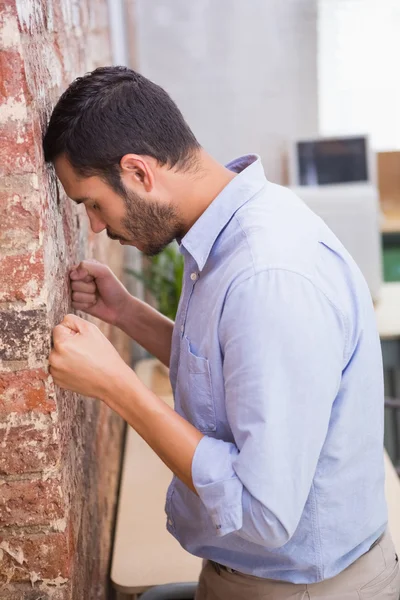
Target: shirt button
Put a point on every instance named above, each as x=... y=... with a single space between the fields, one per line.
x=194 y=276
x=182 y=328
x=169 y=522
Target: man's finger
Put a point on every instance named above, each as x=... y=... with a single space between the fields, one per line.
x=52 y=358
x=81 y=286
x=60 y=334
x=83 y=298
x=74 y=323
x=80 y=274
x=81 y=306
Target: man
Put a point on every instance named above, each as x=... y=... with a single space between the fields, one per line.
x=275 y=362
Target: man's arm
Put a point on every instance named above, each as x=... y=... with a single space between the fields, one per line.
x=284 y=349
x=148 y=327
x=83 y=360
x=167 y=433
x=98 y=292
x=283 y=346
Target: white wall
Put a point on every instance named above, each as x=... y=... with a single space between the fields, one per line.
x=359 y=83
x=244 y=72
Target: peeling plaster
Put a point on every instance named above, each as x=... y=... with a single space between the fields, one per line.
x=14 y=110
x=59 y=525
x=9 y=32
x=30 y=14
x=57 y=582
x=37 y=421
x=16 y=554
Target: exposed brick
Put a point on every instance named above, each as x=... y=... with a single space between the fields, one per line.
x=32 y=20
x=24 y=335
x=22 y=276
x=19 y=214
x=35 y=502
x=28 y=446
x=12 y=77
x=44 y=432
x=43 y=68
x=35 y=557
x=17 y=148
x=9 y=30
x=24 y=391
x=25 y=591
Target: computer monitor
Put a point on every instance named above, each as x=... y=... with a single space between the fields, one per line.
x=331 y=160
x=336 y=178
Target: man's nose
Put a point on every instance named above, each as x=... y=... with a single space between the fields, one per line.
x=96 y=223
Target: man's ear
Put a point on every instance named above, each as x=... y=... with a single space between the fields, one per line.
x=138 y=170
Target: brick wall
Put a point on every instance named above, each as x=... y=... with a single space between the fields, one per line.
x=59 y=453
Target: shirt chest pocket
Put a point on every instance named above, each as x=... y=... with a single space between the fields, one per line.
x=195 y=389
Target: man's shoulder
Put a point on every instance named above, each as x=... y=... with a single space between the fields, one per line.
x=276 y=229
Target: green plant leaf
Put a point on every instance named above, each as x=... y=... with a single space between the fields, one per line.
x=162 y=276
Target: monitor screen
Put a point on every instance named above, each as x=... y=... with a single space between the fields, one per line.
x=327 y=161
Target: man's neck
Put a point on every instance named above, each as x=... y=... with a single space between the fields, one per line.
x=199 y=188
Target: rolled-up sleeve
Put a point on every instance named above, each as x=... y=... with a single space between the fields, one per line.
x=284 y=346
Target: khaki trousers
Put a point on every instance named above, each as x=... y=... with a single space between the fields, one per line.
x=374 y=575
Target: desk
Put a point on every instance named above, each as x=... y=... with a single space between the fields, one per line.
x=145 y=554
x=387 y=311
x=390 y=222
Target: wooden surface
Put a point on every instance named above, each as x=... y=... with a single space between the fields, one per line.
x=145 y=554
x=390 y=221
x=389 y=187
x=388 y=164
x=387 y=311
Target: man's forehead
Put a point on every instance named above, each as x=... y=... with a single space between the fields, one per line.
x=74 y=186
x=63 y=167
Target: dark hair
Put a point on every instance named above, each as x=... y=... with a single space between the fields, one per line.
x=114 y=111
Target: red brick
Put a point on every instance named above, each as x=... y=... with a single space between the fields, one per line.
x=30 y=447
x=24 y=335
x=22 y=276
x=19 y=215
x=12 y=77
x=30 y=503
x=42 y=556
x=17 y=148
x=25 y=591
x=24 y=391
x=35 y=18
x=56 y=42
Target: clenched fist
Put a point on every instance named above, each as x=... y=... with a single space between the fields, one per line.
x=83 y=360
x=97 y=291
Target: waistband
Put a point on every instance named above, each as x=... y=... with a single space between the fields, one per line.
x=218 y=567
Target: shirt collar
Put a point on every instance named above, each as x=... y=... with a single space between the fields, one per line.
x=201 y=237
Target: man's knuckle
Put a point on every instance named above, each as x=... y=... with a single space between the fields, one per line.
x=54 y=360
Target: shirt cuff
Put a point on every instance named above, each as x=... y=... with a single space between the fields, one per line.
x=217 y=484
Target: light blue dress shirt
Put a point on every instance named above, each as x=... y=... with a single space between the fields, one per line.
x=276 y=359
